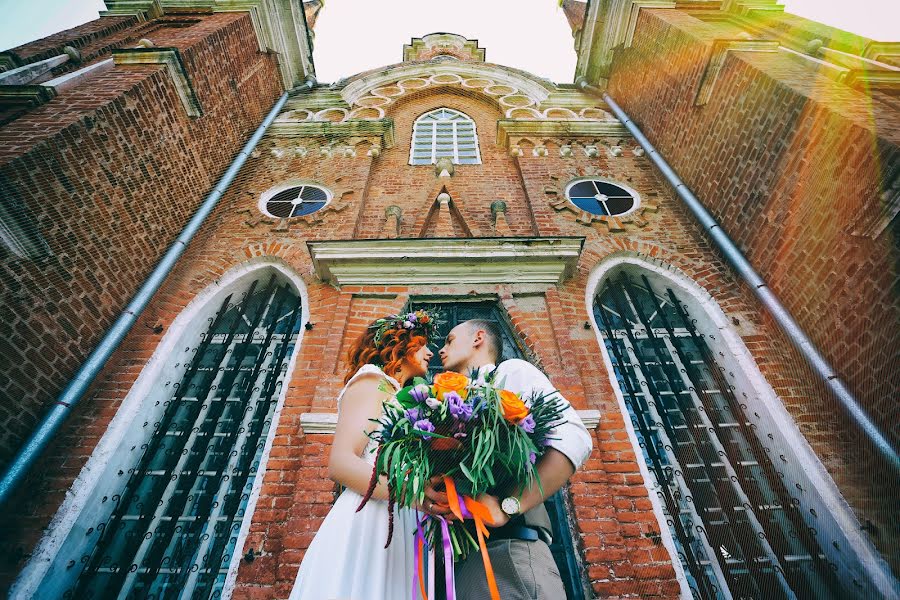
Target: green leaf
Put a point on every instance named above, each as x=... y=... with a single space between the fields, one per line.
x=468 y=473
x=404 y=397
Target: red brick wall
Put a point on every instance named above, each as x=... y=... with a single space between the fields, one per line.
x=793 y=165
x=110 y=172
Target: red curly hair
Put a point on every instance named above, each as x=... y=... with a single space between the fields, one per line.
x=395 y=346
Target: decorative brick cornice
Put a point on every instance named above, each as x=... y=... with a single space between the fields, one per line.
x=457 y=261
x=381 y=128
x=25 y=95
x=745 y=7
x=507 y=128
x=144 y=10
x=280 y=27
x=717 y=56
x=171 y=59
x=446 y=44
x=609 y=25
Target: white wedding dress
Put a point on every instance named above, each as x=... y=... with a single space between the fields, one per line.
x=347 y=559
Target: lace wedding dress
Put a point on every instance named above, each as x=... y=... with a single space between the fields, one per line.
x=347 y=559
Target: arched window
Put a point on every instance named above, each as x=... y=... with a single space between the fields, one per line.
x=164 y=518
x=444 y=132
x=745 y=519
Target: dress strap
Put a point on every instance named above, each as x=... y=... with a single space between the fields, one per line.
x=366 y=369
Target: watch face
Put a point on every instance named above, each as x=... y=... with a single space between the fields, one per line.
x=510 y=506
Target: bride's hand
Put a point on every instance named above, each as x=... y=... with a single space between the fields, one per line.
x=436 y=502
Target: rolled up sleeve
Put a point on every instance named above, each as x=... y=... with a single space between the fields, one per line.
x=571 y=436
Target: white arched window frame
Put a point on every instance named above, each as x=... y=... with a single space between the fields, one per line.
x=50 y=570
x=444 y=132
x=857 y=562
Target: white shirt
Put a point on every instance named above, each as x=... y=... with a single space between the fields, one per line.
x=523 y=378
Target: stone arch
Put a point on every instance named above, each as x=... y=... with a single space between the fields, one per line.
x=83 y=506
x=509 y=88
x=818 y=500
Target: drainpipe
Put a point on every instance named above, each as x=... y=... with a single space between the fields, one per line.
x=96 y=360
x=857 y=414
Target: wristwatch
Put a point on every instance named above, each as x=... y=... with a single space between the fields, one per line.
x=511 y=506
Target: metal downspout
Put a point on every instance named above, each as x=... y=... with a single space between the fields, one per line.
x=857 y=414
x=95 y=361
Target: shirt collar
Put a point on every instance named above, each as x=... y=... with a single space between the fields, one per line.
x=483 y=372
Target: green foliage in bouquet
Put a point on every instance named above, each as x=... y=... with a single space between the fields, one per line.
x=486 y=438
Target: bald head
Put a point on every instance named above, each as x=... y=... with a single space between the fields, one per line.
x=472 y=344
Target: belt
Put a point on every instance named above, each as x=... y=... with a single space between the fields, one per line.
x=515 y=532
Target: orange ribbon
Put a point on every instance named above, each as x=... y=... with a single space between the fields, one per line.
x=421 y=568
x=480 y=514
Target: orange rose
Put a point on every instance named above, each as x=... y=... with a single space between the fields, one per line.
x=449 y=381
x=514 y=410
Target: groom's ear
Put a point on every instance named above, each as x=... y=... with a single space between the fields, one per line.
x=479 y=338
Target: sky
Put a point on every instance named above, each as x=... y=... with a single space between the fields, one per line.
x=532 y=35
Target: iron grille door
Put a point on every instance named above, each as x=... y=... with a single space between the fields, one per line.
x=738 y=531
x=451 y=315
x=173 y=529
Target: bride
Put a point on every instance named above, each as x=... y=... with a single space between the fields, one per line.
x=347 y=559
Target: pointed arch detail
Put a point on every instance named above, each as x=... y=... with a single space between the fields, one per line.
x=743 y=502
x=252 y=317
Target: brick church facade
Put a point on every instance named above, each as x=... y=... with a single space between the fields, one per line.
x=724 y=465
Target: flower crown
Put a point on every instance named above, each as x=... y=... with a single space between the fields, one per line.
x=419 y=321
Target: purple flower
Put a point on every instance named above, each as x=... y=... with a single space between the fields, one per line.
x=432 y=402
x=527 y=424
x=420 y=392
x=457 y=407
x=412 y=414
x=411 y=317
x=546 y=442
x=425 y=426
x=532 y=457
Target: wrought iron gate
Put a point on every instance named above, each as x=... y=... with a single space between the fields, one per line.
x=173 y=527
x=738 y=530
x=454 y=313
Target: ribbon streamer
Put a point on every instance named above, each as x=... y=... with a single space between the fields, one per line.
x=420 y=552
x=471 y=508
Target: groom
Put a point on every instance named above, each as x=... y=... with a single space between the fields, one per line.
x=519 y=542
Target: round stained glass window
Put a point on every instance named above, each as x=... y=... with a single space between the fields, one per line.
x=296 y=201
x=600 y=197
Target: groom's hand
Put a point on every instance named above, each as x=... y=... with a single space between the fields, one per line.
x=492 y=503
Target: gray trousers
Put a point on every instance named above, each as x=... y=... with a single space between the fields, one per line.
x=524 y=571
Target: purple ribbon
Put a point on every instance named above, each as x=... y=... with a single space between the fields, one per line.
x=465 y=509
x=419 y=536
x=449 y=580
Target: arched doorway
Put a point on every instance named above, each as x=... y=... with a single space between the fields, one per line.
x=453 y=312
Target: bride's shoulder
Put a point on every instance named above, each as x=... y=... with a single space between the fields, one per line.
x=369 y=377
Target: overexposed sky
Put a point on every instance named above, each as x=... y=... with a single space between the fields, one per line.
x=357 y=35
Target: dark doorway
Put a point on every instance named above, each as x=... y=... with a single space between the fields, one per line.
x=453 y=312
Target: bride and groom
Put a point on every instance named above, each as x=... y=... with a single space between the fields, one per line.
x=347 y=559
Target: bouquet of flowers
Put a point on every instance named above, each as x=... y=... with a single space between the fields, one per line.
x=477 y=435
